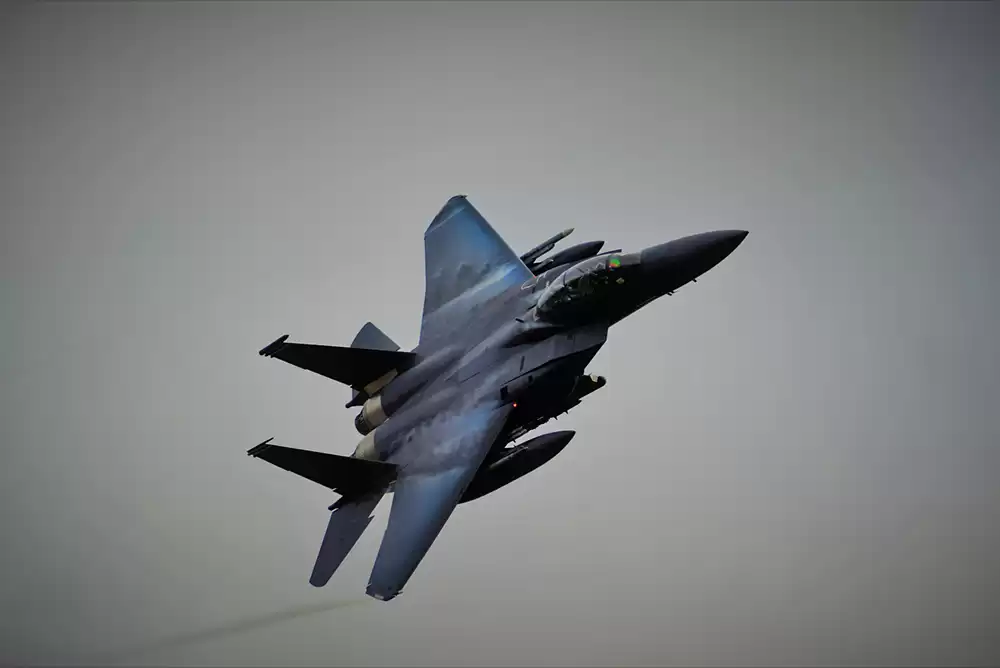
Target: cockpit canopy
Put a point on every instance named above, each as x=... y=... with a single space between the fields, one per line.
x=590 y=278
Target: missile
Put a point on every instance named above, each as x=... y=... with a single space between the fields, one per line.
x=568 y=255
x=544 y=247
x=516 y=462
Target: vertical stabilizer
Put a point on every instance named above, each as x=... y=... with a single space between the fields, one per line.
x=346 y=525
x=370 y=336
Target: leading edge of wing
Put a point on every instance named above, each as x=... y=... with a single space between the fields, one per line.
x=424 y=500
x=465 y=262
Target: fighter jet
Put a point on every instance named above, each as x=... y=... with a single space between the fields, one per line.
x=504 y=345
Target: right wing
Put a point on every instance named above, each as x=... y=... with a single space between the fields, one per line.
x=428 y=487
x=465 y=263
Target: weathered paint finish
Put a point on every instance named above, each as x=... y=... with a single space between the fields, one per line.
x=501 y=351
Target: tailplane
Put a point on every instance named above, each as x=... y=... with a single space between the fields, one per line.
x=350 y=477
x=361 y=483
x=365 y=370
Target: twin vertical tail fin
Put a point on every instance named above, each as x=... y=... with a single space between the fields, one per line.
x=373 y=338
x=347 y=523
x=371 y=361
x=370 y=336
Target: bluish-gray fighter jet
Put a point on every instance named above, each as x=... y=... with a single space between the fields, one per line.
x=504 y=345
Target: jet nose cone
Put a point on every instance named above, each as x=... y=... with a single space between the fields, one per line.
x=707 y=247
x=669 y=266
x=737 y=235
x=718 y=244
x=725 y=242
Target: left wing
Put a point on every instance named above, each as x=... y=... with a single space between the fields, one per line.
x=465 y=263
x=428 y=487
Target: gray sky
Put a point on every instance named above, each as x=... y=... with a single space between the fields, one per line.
x=183 y=182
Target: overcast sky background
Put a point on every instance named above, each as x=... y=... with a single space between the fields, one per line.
x=795 y=460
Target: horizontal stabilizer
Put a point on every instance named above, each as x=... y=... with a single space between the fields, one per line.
x=348 y=476
x=346 y=525
x=356 y=367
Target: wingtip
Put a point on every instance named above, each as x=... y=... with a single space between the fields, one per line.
x=273 y=347
x=454 y=203
x=260 y=447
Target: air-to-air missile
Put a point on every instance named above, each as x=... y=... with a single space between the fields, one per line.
x=541 y=249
